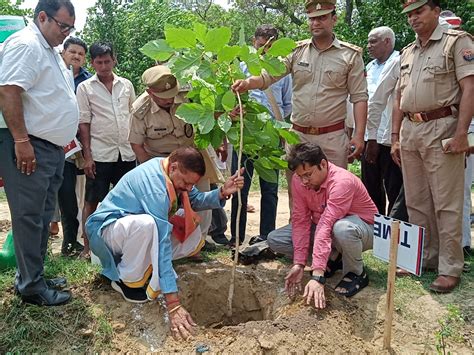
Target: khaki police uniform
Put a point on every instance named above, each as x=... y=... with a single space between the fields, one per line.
x=162 y=132
x=430 y=97
x=322 y=81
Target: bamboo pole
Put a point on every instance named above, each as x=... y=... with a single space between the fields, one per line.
x=394 y=239
x=230 y=297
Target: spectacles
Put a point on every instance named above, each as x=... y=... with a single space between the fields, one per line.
x=307 y=176
x=63 y=27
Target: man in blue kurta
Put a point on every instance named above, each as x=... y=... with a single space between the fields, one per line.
x=147 y=220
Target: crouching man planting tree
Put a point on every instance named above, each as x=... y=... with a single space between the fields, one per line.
x=146 y=221
x=331 y=209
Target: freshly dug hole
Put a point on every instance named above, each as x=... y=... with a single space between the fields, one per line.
x=204 y=294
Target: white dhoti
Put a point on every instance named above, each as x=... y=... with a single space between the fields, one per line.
x=133 y=241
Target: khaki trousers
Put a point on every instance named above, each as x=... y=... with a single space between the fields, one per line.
x=335 y=146
x=434 y=191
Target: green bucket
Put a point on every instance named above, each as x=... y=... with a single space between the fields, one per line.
x=7 y=254
x=10 y=25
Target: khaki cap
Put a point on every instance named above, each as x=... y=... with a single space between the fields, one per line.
x=410 y=5
x=315 y=8
x=163 y=84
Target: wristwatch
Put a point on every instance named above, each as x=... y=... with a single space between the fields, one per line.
x=320 y=279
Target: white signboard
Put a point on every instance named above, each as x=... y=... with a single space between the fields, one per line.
x=410 y=244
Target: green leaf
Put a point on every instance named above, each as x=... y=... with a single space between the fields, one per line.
x=244 y=52
x=280 y=163
x=273 y=66
x=228 y=101
x=180 y=37
x=261 y=138
x=217 y=38
x=281 y=47
x=242 y=35
x=184 y=64
x=157 y=50
x=289 y=137
x=217 y=136
x=206 y=122
x=265 y=163
x=253 y=64
x=266 y=174
x=202 y=141
x=228 y=54
x=233 y=135
x=208 y=99
x=204 y=70
x=272 y=133
x=190 y=112
x=224 y=122
x=200 y=30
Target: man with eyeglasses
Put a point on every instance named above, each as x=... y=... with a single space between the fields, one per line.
x=40 y=117
x=332 y=224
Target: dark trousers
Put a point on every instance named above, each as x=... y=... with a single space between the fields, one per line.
x=68 y=206
x=219 y=220
x=32 y=201
x=382 y=177
x=268 y=201
x=399 y=210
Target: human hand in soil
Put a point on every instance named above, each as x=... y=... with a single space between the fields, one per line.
x=181 y=324
x=293 y=281
x=232 y=184
x=315 y=290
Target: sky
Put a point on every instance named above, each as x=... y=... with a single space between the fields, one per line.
x=81 y=7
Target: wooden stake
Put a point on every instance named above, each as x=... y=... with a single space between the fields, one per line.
x=230 y=297
x=392 y=269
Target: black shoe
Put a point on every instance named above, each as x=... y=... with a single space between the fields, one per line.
x=57 y=283
x=72 y=250
x=220 y=239
x=257 y=239
x=209 y=247
x=132 y=295
x=48 y=297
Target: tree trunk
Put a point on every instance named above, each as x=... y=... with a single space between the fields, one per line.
x=349 y=10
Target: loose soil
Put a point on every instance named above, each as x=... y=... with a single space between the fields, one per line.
x=264 y=321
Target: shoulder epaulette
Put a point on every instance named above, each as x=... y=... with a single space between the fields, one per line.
x=303 y=42
x=351 y=46
x=457 y=33
x=407 y=46
x=141 y=106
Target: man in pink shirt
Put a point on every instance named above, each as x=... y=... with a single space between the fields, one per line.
x=332 y=209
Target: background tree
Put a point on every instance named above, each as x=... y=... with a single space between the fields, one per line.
x=7 y=8
x=129 y=26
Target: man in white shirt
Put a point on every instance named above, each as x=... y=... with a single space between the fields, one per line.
x=105 y=105
x=40 y=110
x=380 y=175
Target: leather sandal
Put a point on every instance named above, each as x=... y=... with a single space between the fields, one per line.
x=332 y=266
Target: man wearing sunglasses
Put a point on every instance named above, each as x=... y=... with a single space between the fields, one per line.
x=40 y=117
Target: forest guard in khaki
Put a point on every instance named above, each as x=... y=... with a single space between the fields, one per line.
x=435 y=95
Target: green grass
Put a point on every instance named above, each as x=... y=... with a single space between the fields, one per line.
x=79 y=326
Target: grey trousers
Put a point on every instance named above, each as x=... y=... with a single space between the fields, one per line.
x=32 y=201
x=350 y=237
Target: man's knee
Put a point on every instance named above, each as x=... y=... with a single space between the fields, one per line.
x=342 y=229
x=279 y=243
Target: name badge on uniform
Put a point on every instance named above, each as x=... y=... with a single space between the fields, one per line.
x=159 y=129
x=404 y=66
x=303 y=64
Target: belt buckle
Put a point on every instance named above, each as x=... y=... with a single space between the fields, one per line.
x=313 y=130
x=417 y=117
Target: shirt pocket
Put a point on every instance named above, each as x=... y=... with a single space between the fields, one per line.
x=159 y=130
x=302 y=73
x=335 y=75
x=440 y=75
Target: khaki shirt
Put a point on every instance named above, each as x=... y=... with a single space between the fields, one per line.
x=322 y=80
x=429 y=75
x=161 y=131
x=109 y=117
x=158 y=130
